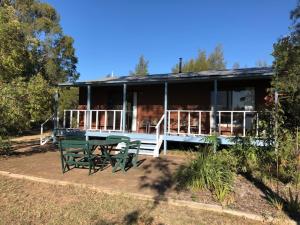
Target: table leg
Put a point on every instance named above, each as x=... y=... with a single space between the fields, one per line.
x=104 y=151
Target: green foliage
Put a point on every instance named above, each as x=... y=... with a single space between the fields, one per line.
x=68 y=99
x=141 y=69
x=34 y=55
x=293 y=203
x=287 y=68
x=5 y=146
x=275 y=201
x=32 y=43
x=236 y=65
x=261 y=63
x=211 y=171
x=13 y=53
x=215 y=61
x=246 y=155
x=23 y=102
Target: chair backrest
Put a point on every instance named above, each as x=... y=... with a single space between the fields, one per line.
x=134 y=145
x=66 y=145
x=75 y=137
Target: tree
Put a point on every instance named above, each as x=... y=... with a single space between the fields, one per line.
x=141 y=69
x=261 y=63
x=32 y=42
x=23 y=102
x=287 y=72
x=236 y=65
x=214 y=61
x=34 y=56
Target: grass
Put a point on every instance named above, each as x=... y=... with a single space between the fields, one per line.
x=27 y=202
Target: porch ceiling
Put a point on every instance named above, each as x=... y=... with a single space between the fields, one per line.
x=237 y=74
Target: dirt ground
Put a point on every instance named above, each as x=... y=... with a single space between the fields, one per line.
x=154 y=177
x=28 y=202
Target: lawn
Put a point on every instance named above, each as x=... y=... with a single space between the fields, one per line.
x=27 y=202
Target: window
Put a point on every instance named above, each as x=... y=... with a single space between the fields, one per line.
x=237 y=99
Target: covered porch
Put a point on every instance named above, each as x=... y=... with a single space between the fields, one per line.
x=169 y=111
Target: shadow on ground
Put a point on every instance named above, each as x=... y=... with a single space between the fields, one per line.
x=29 y=148
x=269 y=193
x=159 y=184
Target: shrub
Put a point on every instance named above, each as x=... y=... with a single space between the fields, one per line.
x=214 y=172
x=5 y=146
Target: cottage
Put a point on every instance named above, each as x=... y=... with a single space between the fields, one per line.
x=183 y=107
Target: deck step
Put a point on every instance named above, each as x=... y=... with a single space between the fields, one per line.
x=143 y=146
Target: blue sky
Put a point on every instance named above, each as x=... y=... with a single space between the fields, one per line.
x=110 y=35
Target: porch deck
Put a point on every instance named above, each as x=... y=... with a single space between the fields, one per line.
x=191 y=126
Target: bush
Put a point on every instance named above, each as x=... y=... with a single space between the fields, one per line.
x=214 y=172
x=5 y=146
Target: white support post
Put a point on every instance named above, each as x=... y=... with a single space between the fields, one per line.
x=165 y=119
x=88 y=107
x=71 y=118
x=64 y=118
x=231 y=123
x=244 y=125
x=124 y=107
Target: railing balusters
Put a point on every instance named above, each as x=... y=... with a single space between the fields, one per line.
x=219 y=124
x=231 y=123
x=90 y=118
x=114 y=120
x=78 y=111
x=244 y=125
x=200 y=123
x=105 y=120
x=169 y=121
x=257 y=124
x=210 y=122
x=84 y=120
x=189 y=123
x=178 y=121
x=121 y=119
x=97 y=119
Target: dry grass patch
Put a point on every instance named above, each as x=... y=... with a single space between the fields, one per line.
x=26 y=202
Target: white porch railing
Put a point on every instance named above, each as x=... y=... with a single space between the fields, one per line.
x=107 y=120
x=197 y=122
x=158 y=127
x=45 y=138
x=158 y=136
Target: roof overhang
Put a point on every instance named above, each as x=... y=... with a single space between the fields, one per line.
x=265 y=73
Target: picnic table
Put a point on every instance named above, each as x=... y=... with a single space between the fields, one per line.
x=105 y=147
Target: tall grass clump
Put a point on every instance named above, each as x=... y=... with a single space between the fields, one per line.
x=208 y=170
